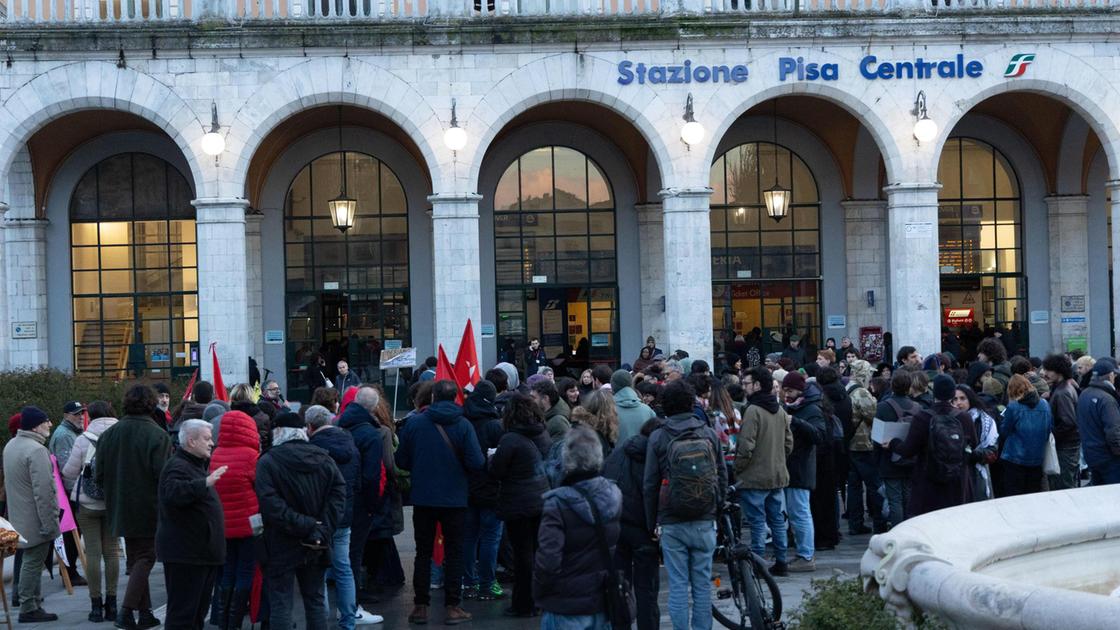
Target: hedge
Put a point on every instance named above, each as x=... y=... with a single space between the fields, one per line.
x=50 y=389
x=841 y=603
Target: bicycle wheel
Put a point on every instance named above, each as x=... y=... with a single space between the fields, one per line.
x=729 y=596
x=766 y=588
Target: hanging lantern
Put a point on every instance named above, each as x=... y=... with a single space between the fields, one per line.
x=777 y=201
x=342 y=208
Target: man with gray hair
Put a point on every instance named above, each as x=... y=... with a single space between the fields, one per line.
x=569 y=569
x=190 y=531
x=673 y=370
x=302 y=498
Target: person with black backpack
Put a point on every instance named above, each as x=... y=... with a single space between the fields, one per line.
x=894 y=471
x=684 y=486
x=943 y=439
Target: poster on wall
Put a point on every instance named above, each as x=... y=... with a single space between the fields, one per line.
x=871 y=343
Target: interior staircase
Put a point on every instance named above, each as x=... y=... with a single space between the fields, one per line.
x=115 y=337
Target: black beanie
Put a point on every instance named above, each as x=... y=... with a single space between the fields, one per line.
x=288 y=419
x=31 y=417
x=943 y=387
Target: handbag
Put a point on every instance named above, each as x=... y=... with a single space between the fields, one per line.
x=621 y=605
x=1050 y=464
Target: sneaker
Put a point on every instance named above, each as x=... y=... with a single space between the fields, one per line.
x=419 y=616
x=490 y=594
x=801 y=565
x=37 y=616
x=779 y=569
x=456 y=616
x=435 y=586
x=363 y=618
x=470 y=592
x=147 y=620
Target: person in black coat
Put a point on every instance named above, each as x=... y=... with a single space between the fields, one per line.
x=927 y=494
x=339 y=444
x=190 y=531
x=302 y=498
x=569 y=575
x=809 y=432
x=482 y=535
x=518 y=465
x=369 y=501
x=637 y=552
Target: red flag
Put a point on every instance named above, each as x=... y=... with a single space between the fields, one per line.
x=466 y=360
x=446 y=371
x=190 y=385
x=219 y=387
x=437 y=547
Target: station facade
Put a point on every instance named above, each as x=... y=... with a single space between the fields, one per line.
x=573 y=212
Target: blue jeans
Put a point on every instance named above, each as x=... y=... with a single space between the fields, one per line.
x=481 y=539
x=687 y=549
x=863 y=477
x=241 y=564
x=343 y=577
x=553 y=621
x=762 y=508
x=1105 y=474
x=898 y=499
x=801 y=518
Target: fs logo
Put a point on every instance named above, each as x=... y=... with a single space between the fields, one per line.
x=1018 y=65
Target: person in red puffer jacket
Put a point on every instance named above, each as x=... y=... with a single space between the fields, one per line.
x=239 y=448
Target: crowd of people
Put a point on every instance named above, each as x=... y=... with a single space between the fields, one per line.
x=535 y=477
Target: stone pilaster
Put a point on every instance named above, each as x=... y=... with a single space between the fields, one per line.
x=222 y=289
x=865 y=242
x=915 y=282
x=1113 y=187
x=254 y=283
x=25 y=266
x=456 y=282
x=1069 y=263
x=688 y=271
x=651 y=251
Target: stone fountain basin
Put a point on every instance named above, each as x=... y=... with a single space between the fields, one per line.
x=1042 y=561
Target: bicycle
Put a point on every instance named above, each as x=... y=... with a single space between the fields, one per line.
x=743 y=602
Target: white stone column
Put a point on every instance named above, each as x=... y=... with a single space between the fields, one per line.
x=688 y=271
x=5 y=321
x=915 y=280
x=222 y=288
x=651 y=254
x=865 y=243
x=25 y=258
x=1069 y=264
x=254 y=284
x=456 y=282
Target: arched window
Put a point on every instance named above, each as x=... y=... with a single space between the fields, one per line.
x=765 y=273
x=980 y=225
x=347 y=293
x=555 y=261
x=134 y=269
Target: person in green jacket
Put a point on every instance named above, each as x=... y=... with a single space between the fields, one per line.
x=130 y=457
x=632 y=412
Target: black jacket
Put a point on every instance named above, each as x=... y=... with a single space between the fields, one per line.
x=1063 y=404
x=518 y=465
x=569 y=569
x=842 y=407
x=339 y=444
x=888 y=468
x=483 y=416
x=364 y=428
x=657 y=465
x=190 y=529
x=302 y=497
x=809 y=431
x=626 y=467
x=262 y=420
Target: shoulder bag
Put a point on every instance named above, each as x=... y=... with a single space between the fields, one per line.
x=620 y=604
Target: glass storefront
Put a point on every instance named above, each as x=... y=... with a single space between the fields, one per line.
x=347 y=293
x=134 y=269
x=765 y=273
x=555 y=261
x=980 y=232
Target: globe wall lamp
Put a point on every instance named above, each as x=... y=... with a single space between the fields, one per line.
x=455 y=138
x=213 y=142
x=692 y=132
x=925 y=130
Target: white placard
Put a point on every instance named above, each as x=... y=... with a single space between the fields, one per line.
x=398 y=358
x=25 y=330
x=918 y=229
x=886 y=431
